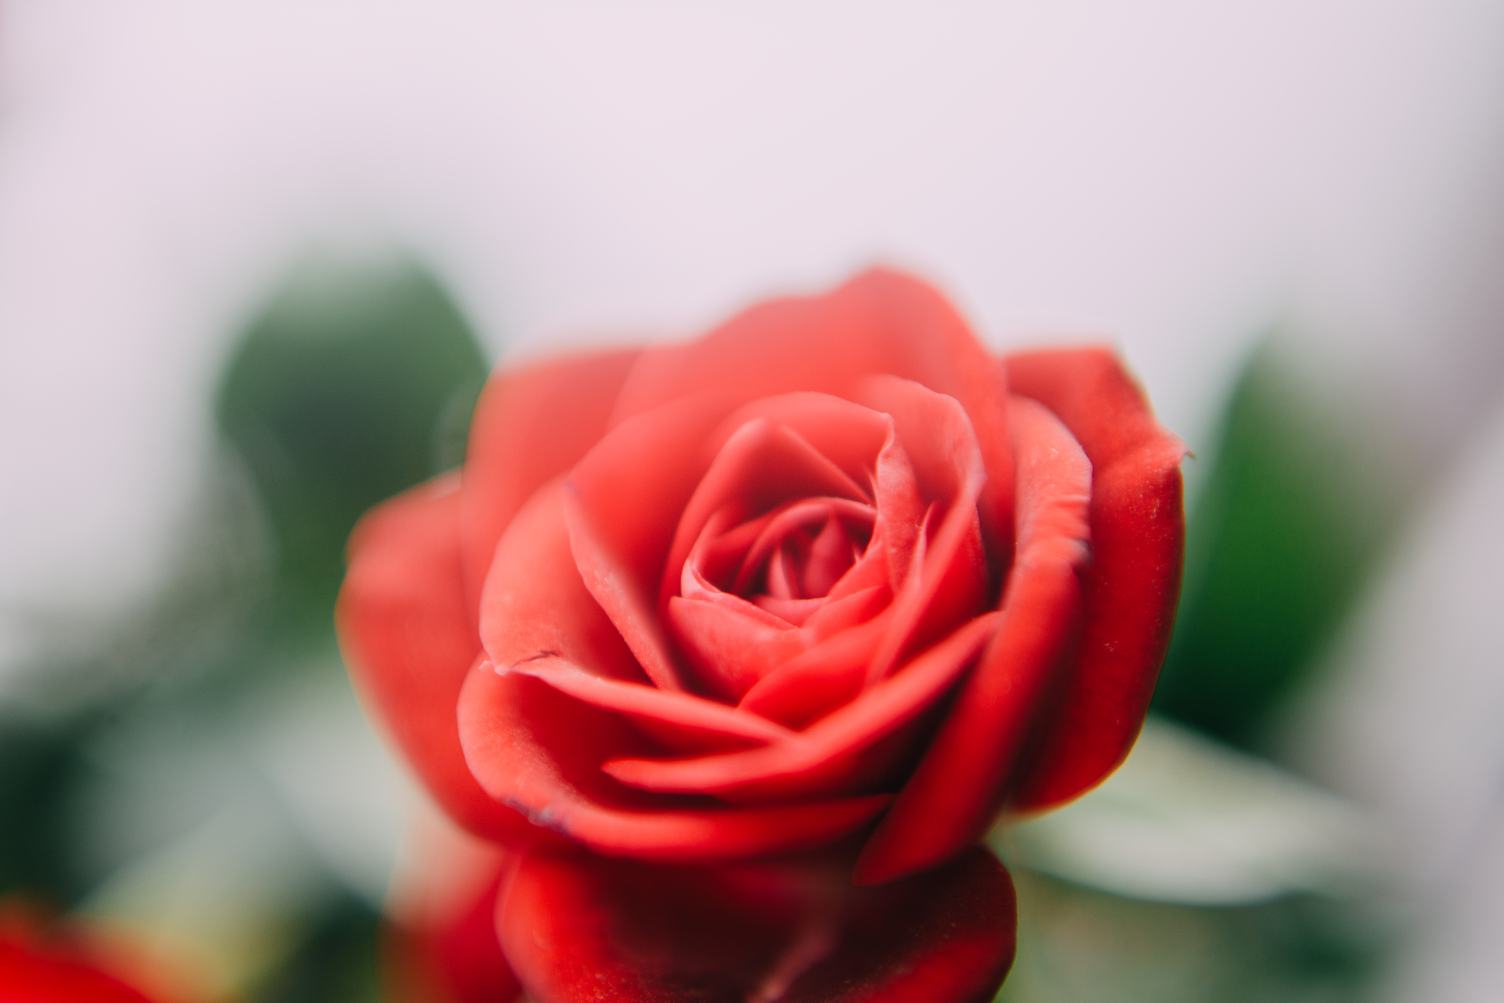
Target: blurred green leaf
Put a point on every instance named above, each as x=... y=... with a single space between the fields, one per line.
x=1197 y=873
x=347 y=388
x=338 y=958
x=200 y=773
x=1292 y=512
x=1188 y=821
x=1080 y=944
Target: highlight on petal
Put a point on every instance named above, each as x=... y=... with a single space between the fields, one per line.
x=539 y=750
x=1132 y=583
x=579 y=928
x=531 y=424
x=963 y=778
x=409 y=638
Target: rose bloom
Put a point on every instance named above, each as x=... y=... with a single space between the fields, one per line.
x=741 y=645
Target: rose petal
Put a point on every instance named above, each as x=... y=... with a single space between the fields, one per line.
x=790 y=519
x=846 y=433
x=1131 y=585
x=540 y=750
x=837 y=614
x=836 y=753
x=734 y=642
x=622 y=503
x=881 y=321
x=683 y=720
x=531 y=424
x=534 y=603
x=730 y=649
x=952 y=796
x=761 y=465
x=538 y=618
x=580 y=928
x=824 y=677
x=862 y=442
x=409 y=638
x=900 y=508
x=951 y=579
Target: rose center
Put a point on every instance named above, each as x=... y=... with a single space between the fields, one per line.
x=802 y=552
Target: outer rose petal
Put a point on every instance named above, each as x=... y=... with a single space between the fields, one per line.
x=581 y=929
x=531 y=424
x=1133 y=580
x=881 y=321
x=952 y=796
x=409 y=639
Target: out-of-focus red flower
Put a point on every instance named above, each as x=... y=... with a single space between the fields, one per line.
x=830 y=579
x=48 y=962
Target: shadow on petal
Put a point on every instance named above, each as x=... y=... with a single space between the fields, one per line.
x=581 y=928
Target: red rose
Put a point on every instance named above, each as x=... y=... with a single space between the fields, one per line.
x=830 y=578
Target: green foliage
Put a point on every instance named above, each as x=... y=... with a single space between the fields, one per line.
x=1197 y=873
x=346 y=389
x=41 y=765
x=338 y=957
x=1283 y=532
x=1080 y=944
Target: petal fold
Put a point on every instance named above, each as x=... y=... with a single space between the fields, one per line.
x=1133 y=581
x=962 y=780
x=539 y=750
x=836 y=753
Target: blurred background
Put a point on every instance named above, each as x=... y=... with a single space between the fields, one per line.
x=257 y=258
